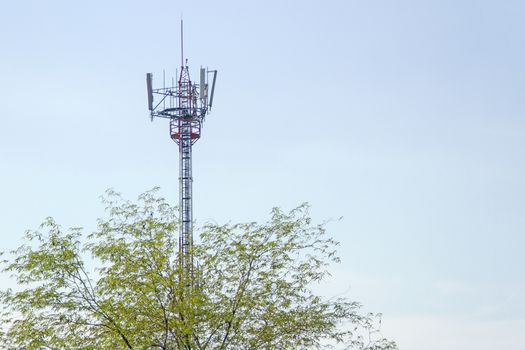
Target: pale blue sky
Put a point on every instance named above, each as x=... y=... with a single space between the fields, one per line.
x=404 y=117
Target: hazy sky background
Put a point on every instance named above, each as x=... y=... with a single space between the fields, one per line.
x=404 y=117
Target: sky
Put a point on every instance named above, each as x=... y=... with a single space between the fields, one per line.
x=406 y=118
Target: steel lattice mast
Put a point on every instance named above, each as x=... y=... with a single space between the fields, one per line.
x=185 y=104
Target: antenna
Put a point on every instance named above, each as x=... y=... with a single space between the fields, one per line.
x=212 y=87
x=181 y=43
x=149 y=79
x=203 y=87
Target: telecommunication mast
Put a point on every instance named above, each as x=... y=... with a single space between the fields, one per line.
x=186 y=104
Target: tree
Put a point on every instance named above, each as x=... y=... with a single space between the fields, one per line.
x=121 y=287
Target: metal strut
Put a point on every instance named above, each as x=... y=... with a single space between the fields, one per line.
x=185 y=200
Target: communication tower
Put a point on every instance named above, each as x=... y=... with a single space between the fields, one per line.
x=185 y=104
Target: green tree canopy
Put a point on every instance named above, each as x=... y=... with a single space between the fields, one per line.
x=120 y=287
